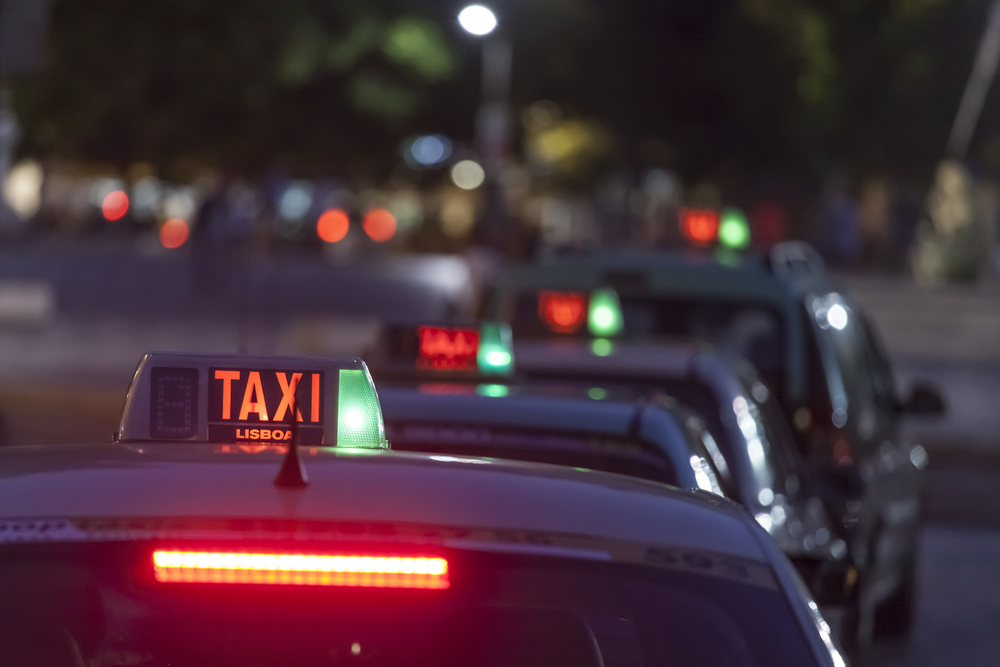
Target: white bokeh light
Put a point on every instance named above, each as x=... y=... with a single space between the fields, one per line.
x=477 y=20
x=468 y=175
x=837 y=316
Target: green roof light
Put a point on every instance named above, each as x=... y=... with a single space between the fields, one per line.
x=496 y=349
x=597 y=393
x=359 y=414
x=605 y=316
x=734 y=230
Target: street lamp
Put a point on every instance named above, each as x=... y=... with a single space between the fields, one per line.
x=477 y=20
x=493 y=117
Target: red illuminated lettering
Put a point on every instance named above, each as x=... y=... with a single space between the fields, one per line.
x=253 y=398
x=227 y=378
x=448 y=349
x=287 y=396
x=314 y=415
x=562 y=312
x=254 y=434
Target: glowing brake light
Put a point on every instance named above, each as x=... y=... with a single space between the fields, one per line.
x=700 y=226
x=300 y=569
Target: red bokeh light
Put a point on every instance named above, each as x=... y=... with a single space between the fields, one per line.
x=332 y=226
x=115 y=205
x=174 y=233
x=700 y=226
x=443 y=348
x=563 y=312
x=380 y=225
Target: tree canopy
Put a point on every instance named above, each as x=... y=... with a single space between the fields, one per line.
x=795 y=87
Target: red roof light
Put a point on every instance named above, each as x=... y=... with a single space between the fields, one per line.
x=700 y=226
x=562 y=312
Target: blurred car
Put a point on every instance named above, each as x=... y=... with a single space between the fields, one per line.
x=441 y=388
x=738 y=419
x=196 y=539
x=810 y=342
x=626 y=437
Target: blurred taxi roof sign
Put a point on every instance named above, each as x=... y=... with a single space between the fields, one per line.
x=458 y=351
x=230 y=399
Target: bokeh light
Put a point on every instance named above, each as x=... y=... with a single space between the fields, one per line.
x=468 y=174
x=477 y=20
x=174 y=233
x=380 y=225
x=115 y=205
x=333 y=225
x=22 y=189
x=430 y=150
x=296 y=201
x=699 y=226
x=734 y=229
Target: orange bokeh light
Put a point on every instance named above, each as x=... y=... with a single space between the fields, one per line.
x=115 y=205
x=332 y=226
x=174 y=233
x=700 y=226
x=380 y=225
x=300 y=569
x=563 y=312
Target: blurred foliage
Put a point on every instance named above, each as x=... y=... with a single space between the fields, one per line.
x=795 y=88
x=240 y=85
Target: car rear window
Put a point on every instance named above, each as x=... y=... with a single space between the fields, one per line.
x=94 y=605
x=755 y=331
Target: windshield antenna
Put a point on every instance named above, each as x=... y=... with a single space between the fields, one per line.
x=292 y=474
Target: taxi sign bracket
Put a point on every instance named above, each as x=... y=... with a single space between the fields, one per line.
x=292 y=474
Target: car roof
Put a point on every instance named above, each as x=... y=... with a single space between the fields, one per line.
x=656 y=271
x=634 y=359
x=524 y=407
x=694 y=274
x=70 y=483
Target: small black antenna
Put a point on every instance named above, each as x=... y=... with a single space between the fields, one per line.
x=292 y=474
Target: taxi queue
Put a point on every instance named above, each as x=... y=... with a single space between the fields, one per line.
x=589 y=495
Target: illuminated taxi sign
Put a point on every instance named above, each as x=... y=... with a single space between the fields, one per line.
x=243 y=399
x=256 y=405
x=598 y=312
x=563 y=312
x=472 y=351
x=448 y=348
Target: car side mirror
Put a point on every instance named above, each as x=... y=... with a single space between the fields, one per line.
x=836 y=482
x=924 y=399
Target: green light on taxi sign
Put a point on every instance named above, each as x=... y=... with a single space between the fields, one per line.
x=605 y=315
x=496 y=349
x=734 y=230
x=359 y=414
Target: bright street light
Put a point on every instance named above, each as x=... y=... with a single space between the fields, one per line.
x=477 y=20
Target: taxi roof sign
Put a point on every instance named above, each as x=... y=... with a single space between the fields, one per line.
x=470 y=351
x=240 y=398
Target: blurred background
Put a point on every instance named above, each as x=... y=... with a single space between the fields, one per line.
x=277 y=177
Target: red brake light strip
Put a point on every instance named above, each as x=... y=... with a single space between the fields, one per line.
x=300 y=569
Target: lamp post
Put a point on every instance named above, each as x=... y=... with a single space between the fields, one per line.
x=492 y=133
